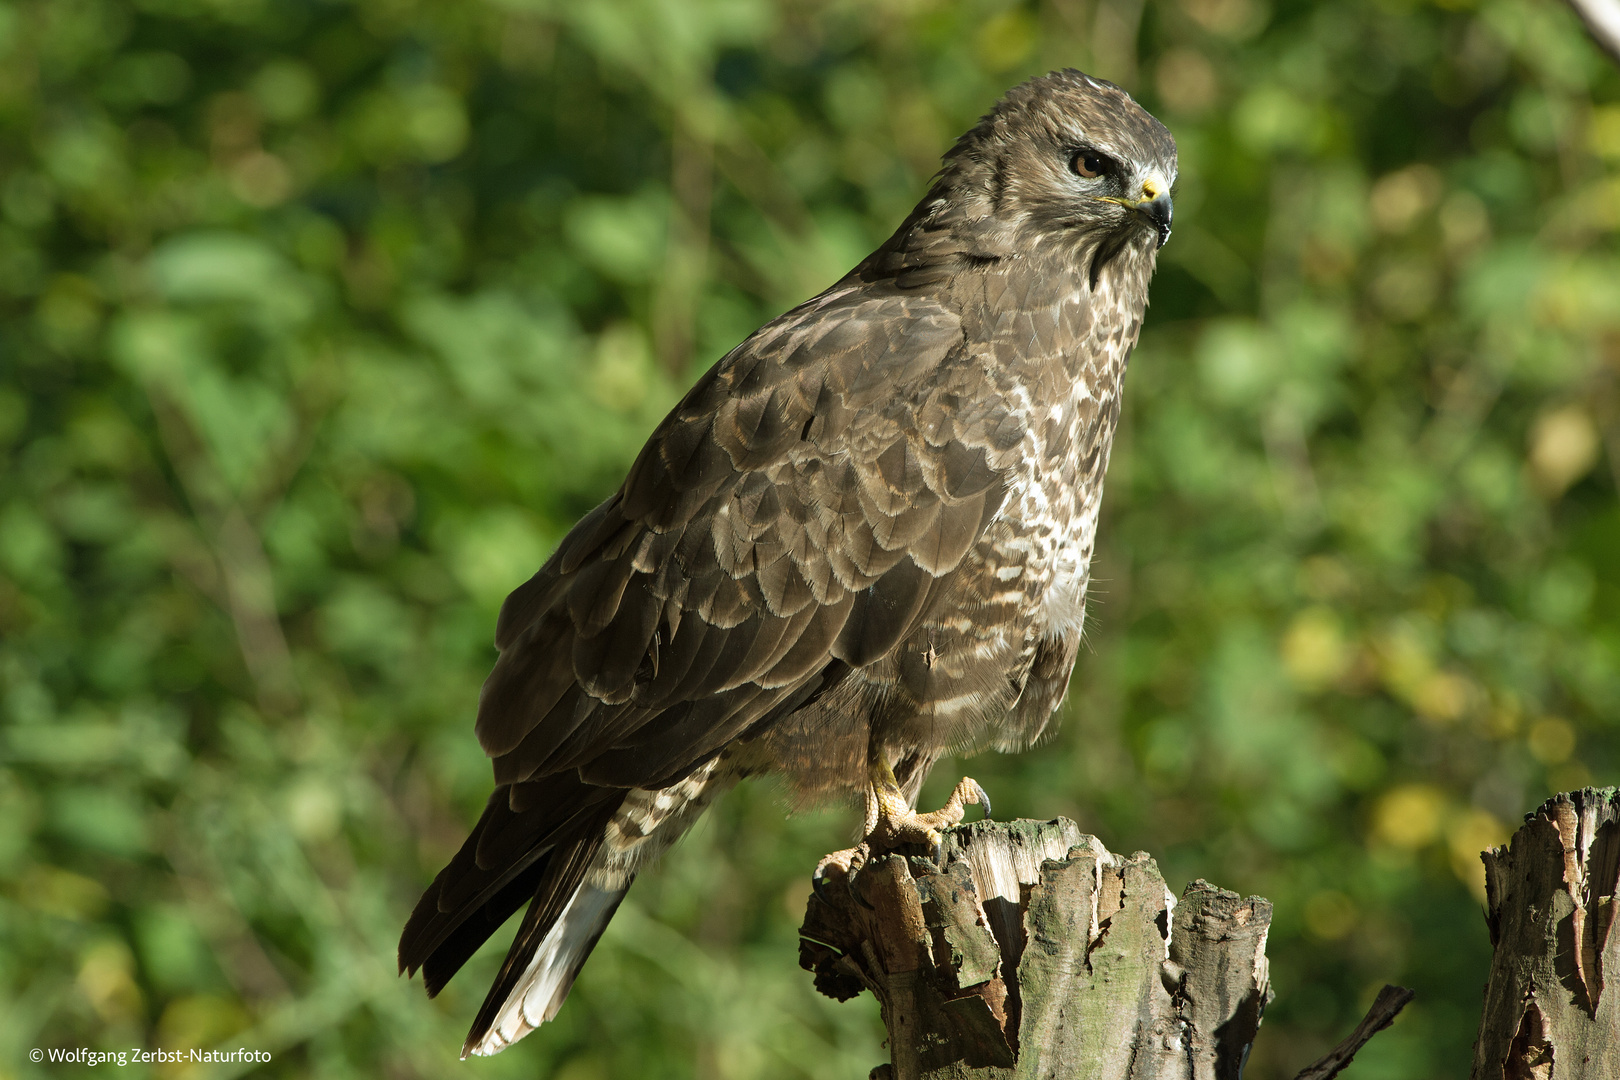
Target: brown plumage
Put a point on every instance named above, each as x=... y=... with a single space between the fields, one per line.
x=860 y=542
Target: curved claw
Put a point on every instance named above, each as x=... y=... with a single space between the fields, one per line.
x=859 y=899
x=984 y=797
x=818 y=885
x=849 y=862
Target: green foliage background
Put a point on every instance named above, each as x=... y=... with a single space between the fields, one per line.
x=322 y=320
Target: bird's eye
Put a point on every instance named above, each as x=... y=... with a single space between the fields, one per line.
x=1089 y=164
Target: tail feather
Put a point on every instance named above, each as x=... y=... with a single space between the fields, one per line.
x=537 y=857
x=545 y=982
x=546 y=842
x=554 y=896
x=458 y=946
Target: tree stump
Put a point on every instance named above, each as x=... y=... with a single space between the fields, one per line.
x=1550 y=895
x=1029 y=949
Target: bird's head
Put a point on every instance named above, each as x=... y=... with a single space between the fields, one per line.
x=1064 y=159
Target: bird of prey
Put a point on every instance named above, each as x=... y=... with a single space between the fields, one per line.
x=860 y=542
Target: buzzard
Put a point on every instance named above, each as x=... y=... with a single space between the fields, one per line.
x=859 y=543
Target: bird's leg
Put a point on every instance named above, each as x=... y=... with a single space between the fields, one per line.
x=897 y=823
x=891 y=822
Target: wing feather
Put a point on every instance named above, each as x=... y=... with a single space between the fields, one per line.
x=594 y=592
x=676 y=661
x=884 y=615
x=523 y=689
x=800 y=507
x=623 y=649
x=809 y=651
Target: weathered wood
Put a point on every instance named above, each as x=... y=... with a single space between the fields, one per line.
x=1550 y=908
x=1030 y=950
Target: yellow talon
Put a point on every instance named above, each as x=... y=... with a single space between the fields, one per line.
x=891 y=822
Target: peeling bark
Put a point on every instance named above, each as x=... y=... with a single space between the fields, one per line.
x=1550 y=896
x=1030 y=950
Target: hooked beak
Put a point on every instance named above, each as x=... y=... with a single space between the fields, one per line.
x=1158 y=211
x=1155 y=205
